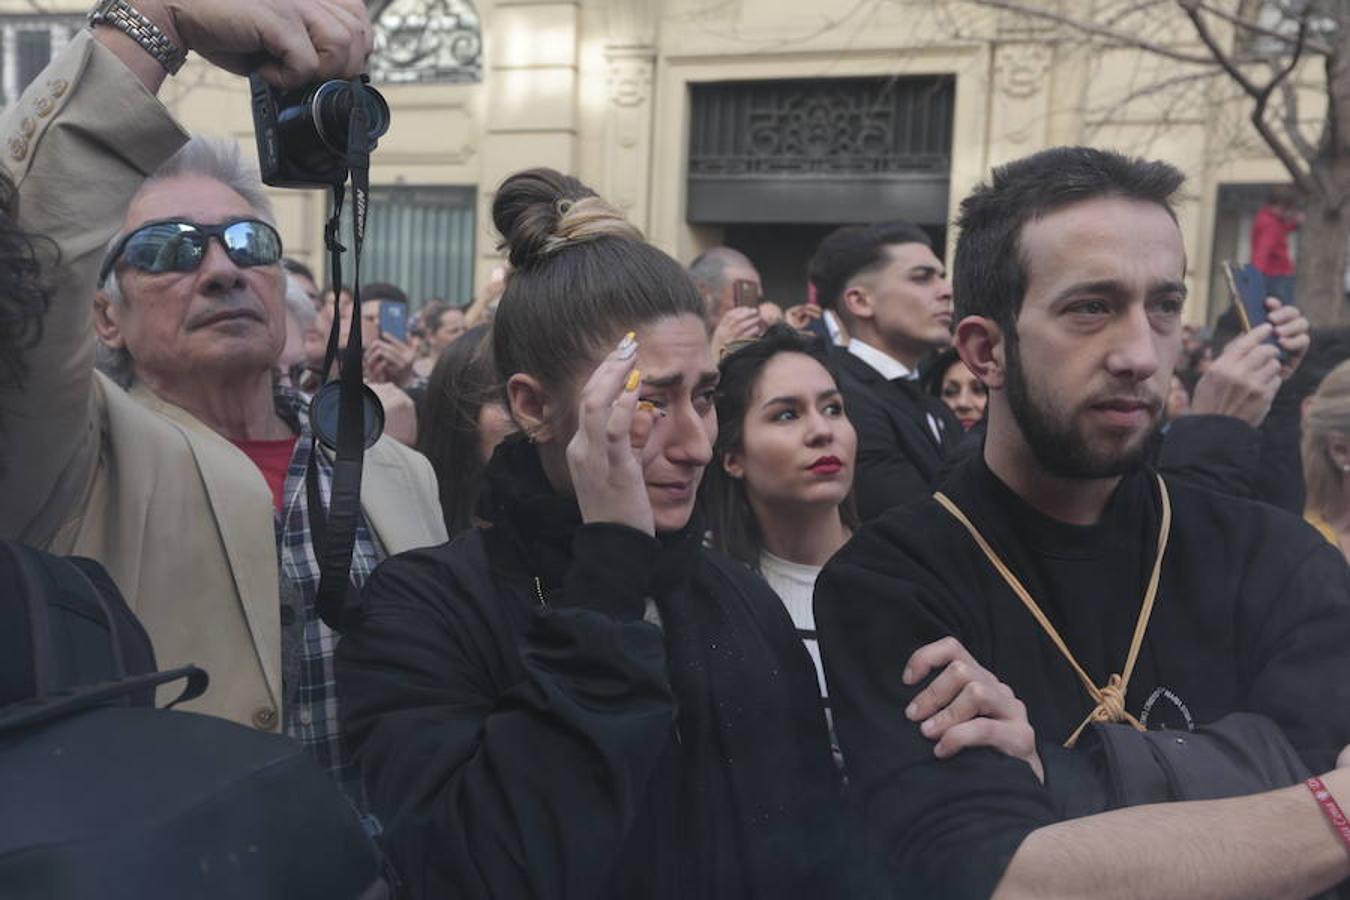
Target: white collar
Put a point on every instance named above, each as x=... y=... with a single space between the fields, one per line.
x=889 y=367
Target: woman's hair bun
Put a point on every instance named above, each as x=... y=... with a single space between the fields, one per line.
x=540 y=211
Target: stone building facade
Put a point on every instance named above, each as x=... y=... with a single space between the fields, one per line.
x=759 y=123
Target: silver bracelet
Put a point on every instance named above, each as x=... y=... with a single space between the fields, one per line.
x=125 y=18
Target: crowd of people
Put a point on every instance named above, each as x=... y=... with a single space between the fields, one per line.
x=1007 y=582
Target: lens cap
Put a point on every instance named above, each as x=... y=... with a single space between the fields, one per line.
x=323 y=414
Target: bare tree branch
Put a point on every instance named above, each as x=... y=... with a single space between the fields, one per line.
x=1292 y=127
x=1113 y=35
x=1131 y=9
x=1303 y=177
x=1312 y=45
x=1184 y=80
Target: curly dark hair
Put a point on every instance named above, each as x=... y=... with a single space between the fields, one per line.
x=25 y=296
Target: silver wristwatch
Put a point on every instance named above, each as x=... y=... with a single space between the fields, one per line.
x=124 y=17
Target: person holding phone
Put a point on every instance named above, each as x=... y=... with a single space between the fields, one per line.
x=732 y=291
x=384 y=335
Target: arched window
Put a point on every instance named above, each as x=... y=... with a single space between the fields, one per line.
x=419 y=41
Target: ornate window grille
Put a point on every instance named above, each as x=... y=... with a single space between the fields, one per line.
x=837 y=127
x=421 y=41
x=820 y=151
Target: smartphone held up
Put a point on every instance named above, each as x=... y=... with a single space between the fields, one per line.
x=1247 y=291
x=394 y=320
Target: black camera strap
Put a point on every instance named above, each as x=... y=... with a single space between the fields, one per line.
x=333 y=531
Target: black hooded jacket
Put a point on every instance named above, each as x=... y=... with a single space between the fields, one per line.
x=525 y=730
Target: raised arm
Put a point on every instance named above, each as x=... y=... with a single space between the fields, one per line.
x=75 y=174
x=79 y=144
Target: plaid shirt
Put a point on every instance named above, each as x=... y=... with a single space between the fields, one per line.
x=311 y=714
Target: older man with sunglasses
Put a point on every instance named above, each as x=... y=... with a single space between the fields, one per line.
x=188 y=486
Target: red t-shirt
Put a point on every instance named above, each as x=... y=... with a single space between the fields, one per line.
x=1270 y=242
x=272 y=458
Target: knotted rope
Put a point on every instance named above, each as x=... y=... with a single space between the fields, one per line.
x=1110 y=699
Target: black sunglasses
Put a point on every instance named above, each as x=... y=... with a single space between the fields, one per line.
x=180 y=246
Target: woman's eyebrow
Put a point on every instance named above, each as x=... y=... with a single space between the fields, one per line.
x=826 y=394
x=662 y=381
x=666 y=381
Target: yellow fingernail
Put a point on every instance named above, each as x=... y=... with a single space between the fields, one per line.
x=630 y=336
x=646 y=406
x=634 y=379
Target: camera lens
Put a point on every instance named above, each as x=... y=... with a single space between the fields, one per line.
x=332 y=109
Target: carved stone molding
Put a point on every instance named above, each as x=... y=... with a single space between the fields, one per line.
x=628 y=126
x=1022 y=69
x=630 y=81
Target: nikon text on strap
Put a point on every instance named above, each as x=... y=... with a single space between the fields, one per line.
x=1110 y=699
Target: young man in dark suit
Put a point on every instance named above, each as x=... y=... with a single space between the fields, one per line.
x=892 y=294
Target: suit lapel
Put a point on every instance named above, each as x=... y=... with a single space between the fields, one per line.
x=905 y=410
x=929 y=412
x=242 y=507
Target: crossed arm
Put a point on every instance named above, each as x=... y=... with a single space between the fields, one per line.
x=974 y=824
x=1275 y=844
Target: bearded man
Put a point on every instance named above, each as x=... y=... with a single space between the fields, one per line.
x=1095 y=590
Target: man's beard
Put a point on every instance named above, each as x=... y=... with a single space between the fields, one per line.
x=1057 y=445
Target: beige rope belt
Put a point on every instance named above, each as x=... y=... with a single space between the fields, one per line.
x=1110 y=699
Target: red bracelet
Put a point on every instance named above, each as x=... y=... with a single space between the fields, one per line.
x=1331 y=808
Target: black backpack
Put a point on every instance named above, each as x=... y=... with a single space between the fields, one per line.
x=104 y=796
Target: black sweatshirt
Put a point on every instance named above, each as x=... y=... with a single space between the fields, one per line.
x=1253 y=613
x=570 y=749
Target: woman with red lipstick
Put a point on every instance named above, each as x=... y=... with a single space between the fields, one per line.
x=948 y=379
x=580 y=700
x=778 y=498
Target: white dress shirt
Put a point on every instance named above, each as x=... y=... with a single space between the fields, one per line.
x=891 y=368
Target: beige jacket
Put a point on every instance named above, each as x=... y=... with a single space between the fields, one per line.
x=181 y=518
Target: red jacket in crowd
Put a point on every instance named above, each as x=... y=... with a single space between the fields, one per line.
x=1270 y=241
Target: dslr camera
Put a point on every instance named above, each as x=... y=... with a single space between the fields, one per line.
x=302 y=133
